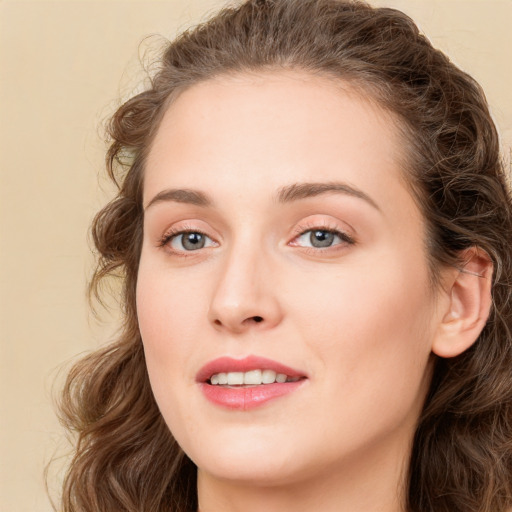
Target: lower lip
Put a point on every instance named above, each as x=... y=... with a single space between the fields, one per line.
x=245 y=398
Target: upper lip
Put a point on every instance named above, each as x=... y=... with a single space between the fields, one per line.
x=229 y=364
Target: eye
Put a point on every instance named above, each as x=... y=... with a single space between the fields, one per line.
x=186 y=241
x=320 y=238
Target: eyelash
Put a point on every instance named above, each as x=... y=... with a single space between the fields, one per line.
x=172 y=233
x=344 y=237
x=327 y=228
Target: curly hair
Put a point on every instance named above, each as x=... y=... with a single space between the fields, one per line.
x=126 y=458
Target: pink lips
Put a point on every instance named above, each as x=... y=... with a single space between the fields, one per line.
x=244 y=398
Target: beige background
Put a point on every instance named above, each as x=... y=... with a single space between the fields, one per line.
x=63 y=67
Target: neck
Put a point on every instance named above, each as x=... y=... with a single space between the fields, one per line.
x=366 y=482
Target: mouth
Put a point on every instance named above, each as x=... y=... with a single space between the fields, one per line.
x=251 y=378
x=251 y=370
x=247 y=383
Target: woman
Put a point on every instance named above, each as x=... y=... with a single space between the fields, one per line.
x=313 y=228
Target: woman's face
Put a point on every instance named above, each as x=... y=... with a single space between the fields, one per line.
x=278 y=226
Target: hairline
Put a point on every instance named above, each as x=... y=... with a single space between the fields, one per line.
x=365 y=90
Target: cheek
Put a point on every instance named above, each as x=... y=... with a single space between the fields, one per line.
x=169 y=316
x=371 y=330
x=359 y=299
x=167 y=302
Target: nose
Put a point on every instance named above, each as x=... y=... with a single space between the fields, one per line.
x=245 y=296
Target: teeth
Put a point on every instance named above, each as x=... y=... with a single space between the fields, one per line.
x=235 y=378
x=252 y=378
x=268 y=376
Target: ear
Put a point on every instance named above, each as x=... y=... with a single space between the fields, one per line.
x=466 y=304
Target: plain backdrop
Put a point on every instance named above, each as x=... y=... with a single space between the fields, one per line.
x=64 y=67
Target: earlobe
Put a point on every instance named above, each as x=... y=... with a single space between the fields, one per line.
x=467 y=305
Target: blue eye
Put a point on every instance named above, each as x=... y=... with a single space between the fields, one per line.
x=186 y=241
x=322 y=238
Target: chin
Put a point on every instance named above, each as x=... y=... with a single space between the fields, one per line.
x=261 y=473
x=247 y=458
x=258 y=475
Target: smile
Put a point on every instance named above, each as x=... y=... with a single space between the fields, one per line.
x=244 y=384
x=252 y=377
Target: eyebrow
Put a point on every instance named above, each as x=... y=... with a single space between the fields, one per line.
x=286 y=194
x=298 y=191
x=181 y=195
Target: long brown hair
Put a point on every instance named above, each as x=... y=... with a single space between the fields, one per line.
x=126 y=459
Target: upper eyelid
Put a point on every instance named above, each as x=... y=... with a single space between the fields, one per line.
x=185 y=227
x=325 y=224
x=341 y=234
x=299 y=231
x=171 y=233
x=321 y=226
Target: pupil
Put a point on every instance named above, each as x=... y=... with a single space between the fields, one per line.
x=321 y=238
x=193 y=241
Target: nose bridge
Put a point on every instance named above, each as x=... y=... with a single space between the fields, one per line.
x=244 y=294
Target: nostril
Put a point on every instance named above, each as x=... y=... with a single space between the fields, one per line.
x=246 y=322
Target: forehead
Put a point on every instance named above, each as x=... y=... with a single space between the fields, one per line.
x=260 y=131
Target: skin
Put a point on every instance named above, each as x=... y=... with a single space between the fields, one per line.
x=359 y=319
